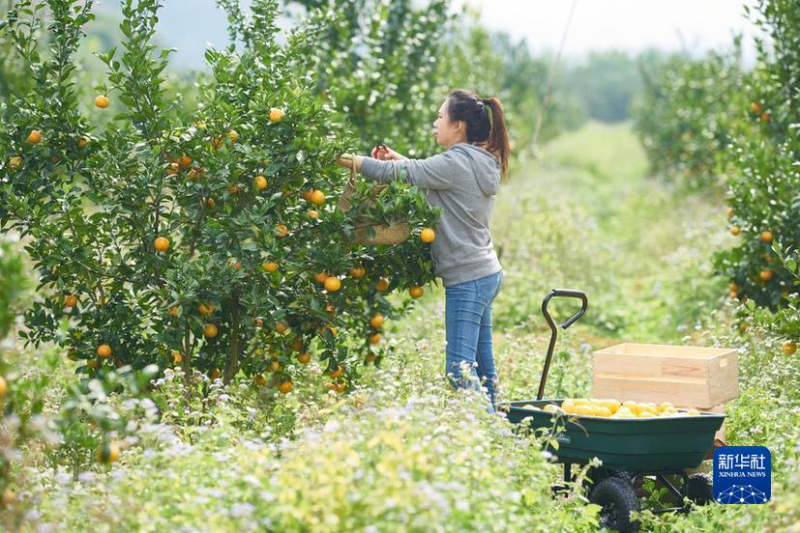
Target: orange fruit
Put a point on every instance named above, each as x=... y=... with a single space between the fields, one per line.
x=789 y=348
x=216 y=143
x=15 y=162
x=281 y=327
x=108 y=453
x=734 y=295
x=336 y=374
x=104 y=351
x=317 y=197
x=376 y=321
x=214 y=374
x=427 y=235
x=766 y=236
x=340 y=387
x=375 y=338
x=194 y=173
x=731 y=211
x=260 y=182
x=333 y=284
x=321 y=277
x=173 y=169
x=233 y=135
x=237 y=266
x=281 y=230
x=306 y=195
x=304 y=358
x=206 y=309
x=765 y=117
x=3 y=387
x=184 y=161
x=70 y=300
x=416 y=292
x=259 y=380
x=101 y=101
x=161 y=244
x=733 y=287
x=258 y=323
x=275 y=114
x=312 y=214
x=173 y=310
x=297 y=345
x=177 y=357
x=286 y=387
x=275 y=366
x=754 y=107
x=35 y=137
x=210 y=331
x=765 y=274
x=382 y=284
x=271 y=266
x=370 y=358
x=358 y=271
x=735 y=230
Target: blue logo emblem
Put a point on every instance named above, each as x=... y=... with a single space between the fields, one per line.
x=742 y=474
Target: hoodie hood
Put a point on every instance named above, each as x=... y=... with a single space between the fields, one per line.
x=485 y=166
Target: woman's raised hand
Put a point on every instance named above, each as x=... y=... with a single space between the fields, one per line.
x=385 y=153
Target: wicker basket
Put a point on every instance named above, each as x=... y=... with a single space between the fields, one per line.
x=367 y=233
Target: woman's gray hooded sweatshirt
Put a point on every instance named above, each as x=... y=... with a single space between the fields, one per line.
x=463 y=182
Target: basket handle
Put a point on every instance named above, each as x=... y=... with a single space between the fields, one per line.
x=566 y=293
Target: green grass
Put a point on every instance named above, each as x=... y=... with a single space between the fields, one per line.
x=404 y=452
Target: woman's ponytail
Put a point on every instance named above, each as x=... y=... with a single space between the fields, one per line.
x=498 y=134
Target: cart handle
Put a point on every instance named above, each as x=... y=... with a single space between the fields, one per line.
x=567 y=293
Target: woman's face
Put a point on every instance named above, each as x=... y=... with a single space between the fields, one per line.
x=447 y=132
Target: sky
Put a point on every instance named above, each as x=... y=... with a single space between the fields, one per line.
x=631 y=25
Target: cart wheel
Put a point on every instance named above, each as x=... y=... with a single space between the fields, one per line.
x=618 y=500
x=598 y=474
x=700 y=489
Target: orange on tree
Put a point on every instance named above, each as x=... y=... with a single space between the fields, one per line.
x=184 y=161
x=210 y=331
x=260 y=380
x=731 y=212
x=173 y=169
x=233 y=135
x=766 y=236
x=789 y=348
x=83 y=142
x=3 y=387
x=382 y=284
x=15 y=162
x=735 y=230
x=104 y=351
x=34 y=137
x=427 y=235
x=358 y=271
x=333 y=284
x=161 y=244
x=297 y=345
x=214 y=374
x=755 y=107
x=258 y=323
x=260 y=182
x=70 y=300
x=281 y=328
x=101 y=101
x=275 y=114
x=336 y=374
x=416 y=292
x=304 y=358
x=376 y=321
x=375 y=338
x=317 y=197
x=271 y=266
x=312 y=213
x=321 y=277
x=765 y=274
x=330 y=328
x=275 y=366
x=206 y=309
x=765 y=117
x=177 y=357
x=281 y=230
x=108 y=453
x=173 y=311
x=286 y=387
x=370 y=358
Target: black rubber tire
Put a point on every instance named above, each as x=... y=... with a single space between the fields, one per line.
x=618 y=500
x=596 y=475
x=700 y=489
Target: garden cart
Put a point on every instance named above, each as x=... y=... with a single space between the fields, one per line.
x=632 y=451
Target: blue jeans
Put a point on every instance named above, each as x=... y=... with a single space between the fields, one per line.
x=468 y=322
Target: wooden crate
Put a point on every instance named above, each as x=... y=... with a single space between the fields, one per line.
x=684 y=375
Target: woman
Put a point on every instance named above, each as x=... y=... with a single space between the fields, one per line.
x=463 y=182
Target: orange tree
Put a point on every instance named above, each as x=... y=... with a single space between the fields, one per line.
x=689 y=112
x=763 y=199
x=214 y=242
